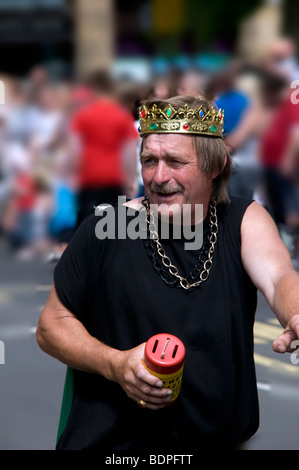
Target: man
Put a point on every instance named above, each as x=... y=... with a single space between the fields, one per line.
x=111 y=295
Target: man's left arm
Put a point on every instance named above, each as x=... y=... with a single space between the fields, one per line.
x=268 y=263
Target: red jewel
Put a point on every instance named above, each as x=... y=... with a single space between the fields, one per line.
x=143 y=113
x=186 y=126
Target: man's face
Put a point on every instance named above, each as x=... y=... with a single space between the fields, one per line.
x=171 y=172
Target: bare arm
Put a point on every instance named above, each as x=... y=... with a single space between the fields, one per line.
x=60 y=334
x=245 y=129
x=267 y=261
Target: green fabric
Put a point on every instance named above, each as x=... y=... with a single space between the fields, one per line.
x=67 y=399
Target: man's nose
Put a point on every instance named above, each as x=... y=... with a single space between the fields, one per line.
x=162 y=173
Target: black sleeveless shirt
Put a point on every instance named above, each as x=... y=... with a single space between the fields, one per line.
x=114 y=289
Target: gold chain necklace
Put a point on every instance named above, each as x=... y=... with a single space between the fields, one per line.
x=166 y=261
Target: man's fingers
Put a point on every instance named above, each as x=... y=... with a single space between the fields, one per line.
x=149 y=391
x=140 y=384
x=145 y=376
x=150 y=402
x=283 y=343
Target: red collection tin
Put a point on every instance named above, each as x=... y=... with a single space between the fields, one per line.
x=164 y=357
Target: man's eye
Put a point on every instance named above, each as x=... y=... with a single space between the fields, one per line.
x=147 y=161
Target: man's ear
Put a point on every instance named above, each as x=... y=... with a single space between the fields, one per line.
x=216 y=173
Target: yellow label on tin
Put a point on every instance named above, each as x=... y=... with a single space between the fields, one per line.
x=172 y=381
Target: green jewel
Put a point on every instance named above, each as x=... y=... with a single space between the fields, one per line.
x=168 y=112
x=213 y=129
x=153 y=127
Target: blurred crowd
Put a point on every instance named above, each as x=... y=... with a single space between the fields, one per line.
x=48 y=127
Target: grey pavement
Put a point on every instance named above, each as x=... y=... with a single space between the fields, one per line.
x=31 y=382
x=278 y=386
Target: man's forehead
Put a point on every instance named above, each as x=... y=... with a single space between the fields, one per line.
x=173 y=143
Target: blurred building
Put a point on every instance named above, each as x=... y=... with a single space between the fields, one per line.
x=290 y=27
x=34 y=32
x=77 y=36
x=258 y=31
x=80 y=35
x=94 y=35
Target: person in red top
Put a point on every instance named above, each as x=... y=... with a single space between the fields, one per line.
x=279 y=152
x=107 y=138
x=283 y=130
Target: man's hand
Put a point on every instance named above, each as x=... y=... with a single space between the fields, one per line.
x=291 y=332
x=137 y=382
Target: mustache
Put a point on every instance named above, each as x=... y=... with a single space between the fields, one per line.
x=165 y=188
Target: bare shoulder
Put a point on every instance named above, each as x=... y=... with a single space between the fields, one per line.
x=258 y=224
x=258 y=230
x=256 y=211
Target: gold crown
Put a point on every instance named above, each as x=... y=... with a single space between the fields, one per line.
x=154 y=120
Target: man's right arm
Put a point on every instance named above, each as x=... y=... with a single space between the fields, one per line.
x=60 y=334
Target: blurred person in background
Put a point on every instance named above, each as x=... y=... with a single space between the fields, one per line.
x=223 y=87
x=191 y=82
x=58 y=211
x=2 y=179
x=162 y=88
x=14 y=128
x=280 y=58
x=130 y=97
x=64 y=185
x=280 y=147
x=17 y=188
x=80 y=96
x=41 y=242
x=279 y=153
x=265 y=147
x=4 y=174
x=18 y=113
x=46 y=120
x=243 y=142
x=105 y=137
x=18 y=219
x=37 y=78
x=34 y=128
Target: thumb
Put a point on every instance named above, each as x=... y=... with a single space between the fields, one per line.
x=284 y=341
x=282 y=344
